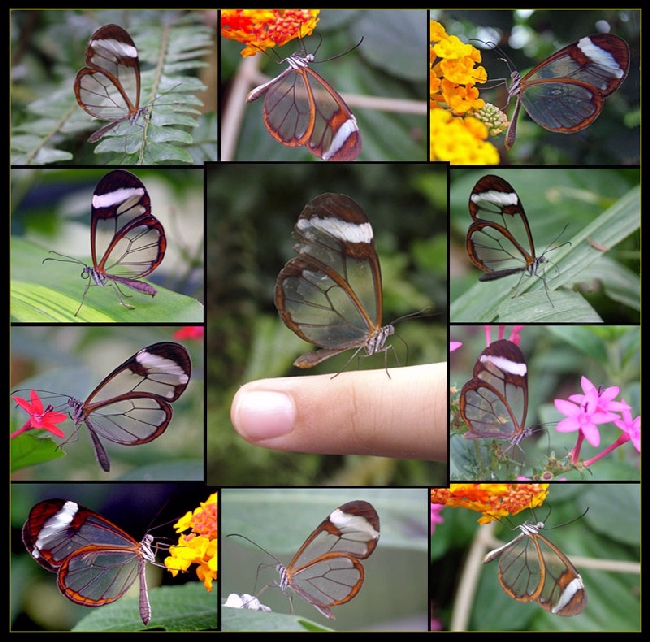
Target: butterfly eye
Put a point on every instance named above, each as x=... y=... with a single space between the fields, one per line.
x=301 y=109
x=108 y=88
x=96 y=562
x=566 y=92
x=330 y=294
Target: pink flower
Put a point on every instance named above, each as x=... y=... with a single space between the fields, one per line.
x=604 y=399
x=590 y=412
x=632 y=427
x=454 y=345
x=39 y=418
x=436 y=516
x=514 y=335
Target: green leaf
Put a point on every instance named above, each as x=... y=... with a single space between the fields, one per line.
x=52 y=292
x=173 y=608
x=246 y=620
x=29 y=450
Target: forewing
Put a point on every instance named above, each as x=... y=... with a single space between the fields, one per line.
x=126 y=239
x=563 y=592
x=520 y=569
x=109 y=87
x=335 y=134
x=330 y=294
x=495 y=202
x=600 y=61
x=56 y=528
x=352 y=529
x=494 y=403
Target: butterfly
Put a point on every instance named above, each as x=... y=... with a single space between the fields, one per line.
x=330 y=294
x=108 y=88
x=326 y=570
x=499 y=240
x=566 y=92
x=533 y=569
x=96 y=562
x=126 y=241
x=301 y=109
x=132 y=405
x=494 y=402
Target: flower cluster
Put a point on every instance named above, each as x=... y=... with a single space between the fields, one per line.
x=199 y=546
x=492 y=500
x=260 y=29
x=459 y=121
x=585 y=412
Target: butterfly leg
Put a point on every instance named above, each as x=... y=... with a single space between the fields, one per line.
x=121 y=295
x=83 y=298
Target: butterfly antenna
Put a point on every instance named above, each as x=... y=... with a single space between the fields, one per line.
x=254 y=544
x=64 y=258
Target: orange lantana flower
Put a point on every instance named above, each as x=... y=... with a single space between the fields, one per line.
x=260 y=29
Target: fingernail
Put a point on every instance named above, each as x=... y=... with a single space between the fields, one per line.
x=261 y=414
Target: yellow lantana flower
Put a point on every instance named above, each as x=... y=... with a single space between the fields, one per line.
x=458 y=129
x=199 y=546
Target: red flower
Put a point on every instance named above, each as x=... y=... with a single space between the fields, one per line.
x=39 y=418
x=190 y=332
